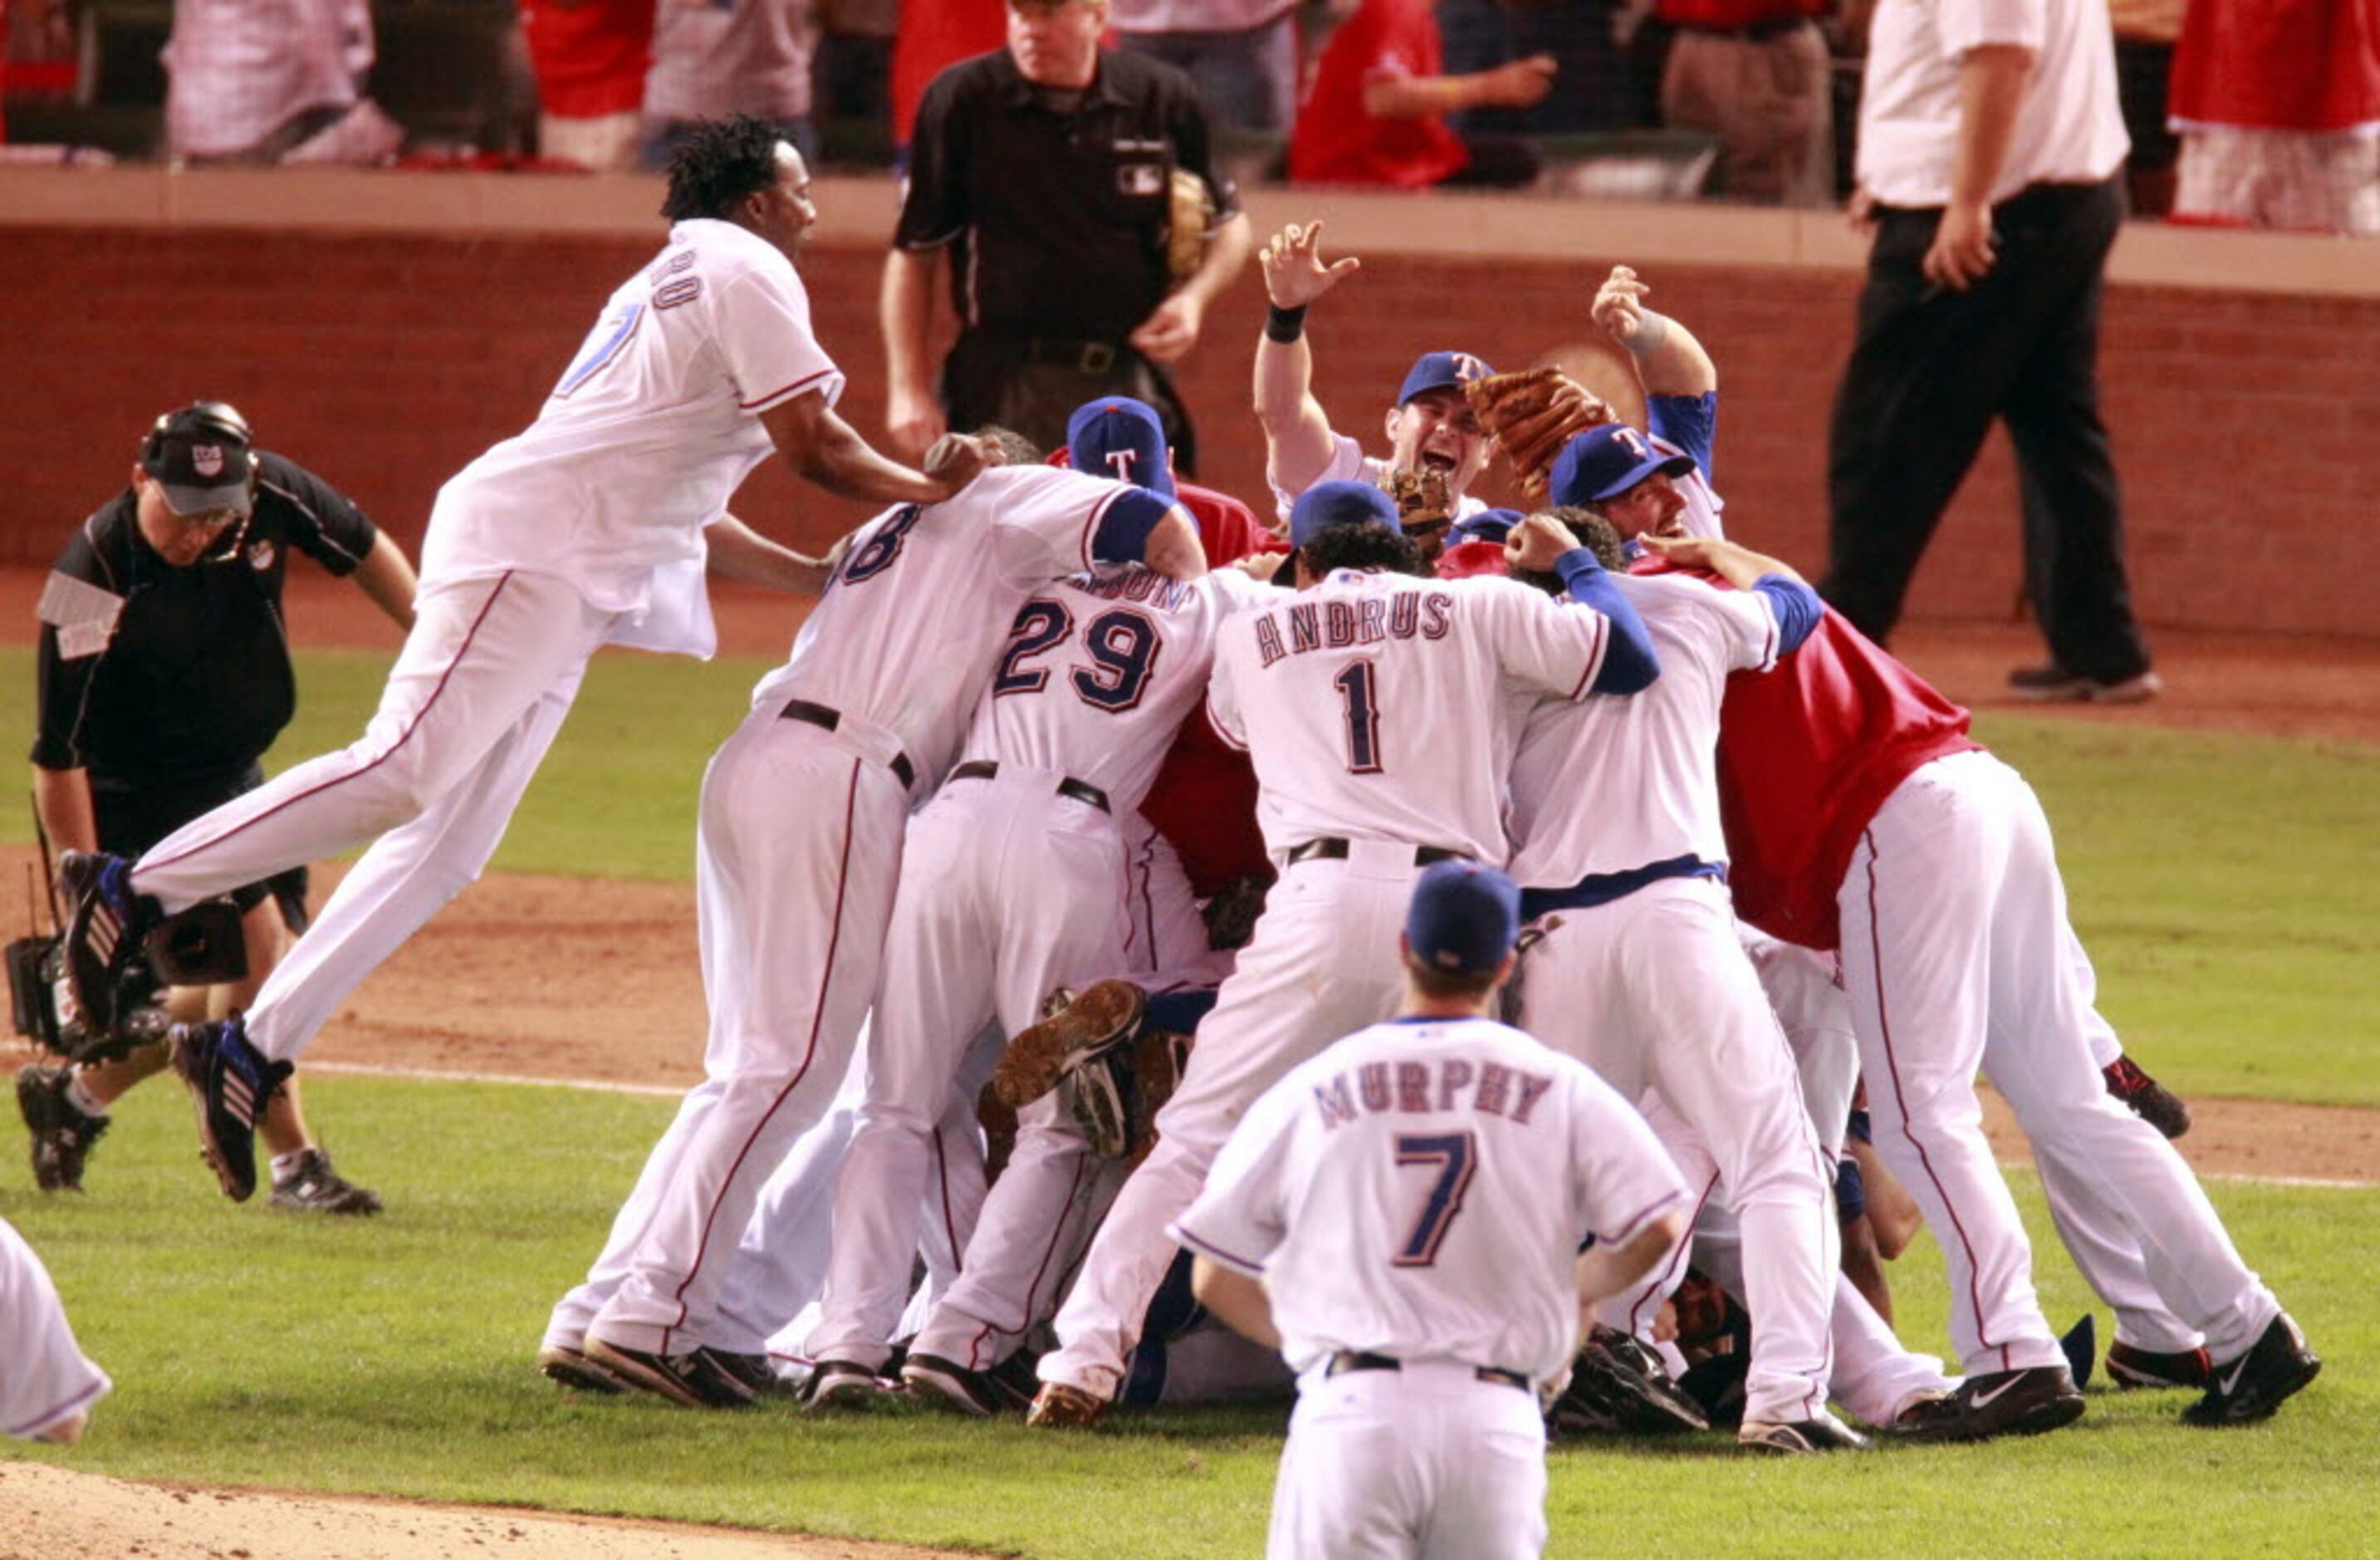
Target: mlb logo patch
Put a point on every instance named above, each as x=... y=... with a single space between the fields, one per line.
x=260 y=555
x=1141 y=178
x=207 y=461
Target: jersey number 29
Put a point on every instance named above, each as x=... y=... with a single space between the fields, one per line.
x=1123 y=645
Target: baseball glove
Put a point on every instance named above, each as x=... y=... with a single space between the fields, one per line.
x=1531 y=415
x=1115 y=1092
x=1423 y=501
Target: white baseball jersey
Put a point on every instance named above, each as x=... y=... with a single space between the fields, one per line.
x=1100 y=668
x=1422 y=675
x=48 y=1379
x=1421 y=1189
x=1648 y=760
x=915 y=611
x=1349 y=464
x=647 y=433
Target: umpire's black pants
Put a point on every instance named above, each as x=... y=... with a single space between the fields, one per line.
x=1929 y=372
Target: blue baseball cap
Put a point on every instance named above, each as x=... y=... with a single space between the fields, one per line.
x=1463 y=919
x=1437 y=371
x=1607 y=460
x=1117 y=436
x=1487 y=525
x=1340 y=503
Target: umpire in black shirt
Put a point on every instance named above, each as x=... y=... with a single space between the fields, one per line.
x=165 y=674
x=1042 y=178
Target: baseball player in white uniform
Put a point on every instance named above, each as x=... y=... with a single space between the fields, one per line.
x=1638 y=972
x=794 y=901
x=1014 y=883
x=1402 y=1217
x=49 y=1385
x=591 y=527
x=1375 y=708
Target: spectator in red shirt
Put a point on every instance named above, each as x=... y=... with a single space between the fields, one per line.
x=1376 y=112
x=589 y=56
x=2279 y=106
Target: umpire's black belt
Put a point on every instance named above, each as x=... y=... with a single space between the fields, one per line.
x=1331 y=848
x=1077 y=790
x=826 y=719
x=1350 y=1359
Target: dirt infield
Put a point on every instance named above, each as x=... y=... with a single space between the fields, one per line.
x=56 y=1514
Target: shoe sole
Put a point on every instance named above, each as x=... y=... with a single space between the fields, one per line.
x=568 y=1367
x=841 y=1393
x=634 y=1374
x=943 y=1391
x=194 y=1080
x=2129 y=1380
x=1035 y=1059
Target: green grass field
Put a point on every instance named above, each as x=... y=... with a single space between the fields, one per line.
x=2229 y=888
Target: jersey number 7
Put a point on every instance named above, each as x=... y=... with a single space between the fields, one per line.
x=1457 y=1155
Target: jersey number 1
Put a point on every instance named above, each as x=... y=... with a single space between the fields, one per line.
x=1457 y=1155
x=1360 y=703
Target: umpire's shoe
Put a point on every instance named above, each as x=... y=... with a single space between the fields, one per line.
x=2250 y=1387
x=1996 y=1403
x=310 y=1186
x=1801 y=1437
x=62 y=1132
x=694 y=1380
x=230 y=1082
x=103 y=933
x=1037 y=1058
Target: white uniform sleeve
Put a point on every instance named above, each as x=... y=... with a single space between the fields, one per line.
x=1733 y=630
x=1045 y=521
x=1622 y=1178
x=1242 y=1214
x=1543 y=645
x=47 y=1378
x=1963 y=24
x=1752 y=630
x=762 y=323
x=1235 y=591
x=1223 y=694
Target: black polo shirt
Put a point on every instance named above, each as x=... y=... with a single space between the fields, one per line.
x=1056 y=222
x=154 y=674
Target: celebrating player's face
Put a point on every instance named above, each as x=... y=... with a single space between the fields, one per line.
x=1437 y=430
x=1653 y=505
x=785 y=212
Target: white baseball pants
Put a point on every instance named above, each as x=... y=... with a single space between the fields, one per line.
x=471 y=706
x=1653 y=991
x=49 y=1380
x=796 y=853
x=1008 y=890
x=1424 y=1461
x=1958 y=956
x=1323 y=964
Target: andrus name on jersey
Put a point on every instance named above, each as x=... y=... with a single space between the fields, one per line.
x=1336 y=625
x=1135 y=585
x=1415 y=1088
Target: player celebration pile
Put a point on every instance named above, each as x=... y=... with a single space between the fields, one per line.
x=1233 y=959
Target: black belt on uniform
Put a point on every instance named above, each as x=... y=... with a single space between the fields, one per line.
x=1330 y=847
x=826 y=719
x=1356 y=1360
x=1083 y=357
x=1750 y=31
x=1077 y=790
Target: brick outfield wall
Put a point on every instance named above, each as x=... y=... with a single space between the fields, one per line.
x=2245 y=424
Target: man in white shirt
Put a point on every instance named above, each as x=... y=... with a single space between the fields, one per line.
x=1402 y=1217
x=1990 y=154
x=593 y=527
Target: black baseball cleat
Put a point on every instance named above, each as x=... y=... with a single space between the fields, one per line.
x=1997 y=1403
x=1801 y=1437
x=978 y=1394
x=564 y=1366
x=2145 y=1097
x=2252 y=1386
x=104 y=931
x=230 y=1082
x=2057 y=684
x=693 y=1380
x=841 y=1383
x=1620 y=1385
x=756 y=1372
x=312 y=1187
x=2142 y=1370
x=2080 y=1343
x=62 y=1134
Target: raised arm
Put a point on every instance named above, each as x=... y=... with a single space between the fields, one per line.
x=1668 y=359
x=1298 y=440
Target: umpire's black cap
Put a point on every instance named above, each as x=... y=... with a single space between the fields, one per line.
x=204 y=457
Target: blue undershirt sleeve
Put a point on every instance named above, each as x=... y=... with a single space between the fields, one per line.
x=1629 y=664
x=1122 y=536
x=1797 y=608
x=1691 y=422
